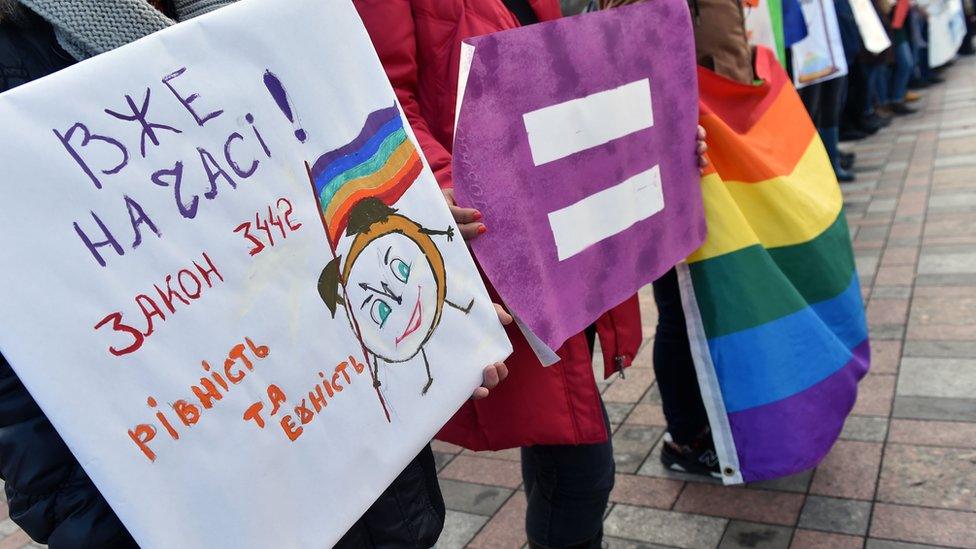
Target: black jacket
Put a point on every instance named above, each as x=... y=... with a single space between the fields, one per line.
x=49 y=494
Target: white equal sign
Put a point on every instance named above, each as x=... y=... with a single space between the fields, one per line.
x=563 y=129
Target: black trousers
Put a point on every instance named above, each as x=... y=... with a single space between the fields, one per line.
x=825 y=101
x=409 y=514
x=568 y=487
x=858 y=94
x=674 y=368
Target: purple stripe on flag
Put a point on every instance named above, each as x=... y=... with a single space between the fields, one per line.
x=374 y=122
x=794 y=434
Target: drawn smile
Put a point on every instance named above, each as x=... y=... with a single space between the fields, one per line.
x=415 y=319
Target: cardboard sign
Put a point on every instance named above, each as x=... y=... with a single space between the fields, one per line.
x=230 y=280
x=760 y=28
x=869 y=26
x=579 y=148
x=947 y=28
x=820 y=56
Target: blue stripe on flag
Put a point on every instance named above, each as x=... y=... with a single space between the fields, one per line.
x=790 y=354
x=362 y=155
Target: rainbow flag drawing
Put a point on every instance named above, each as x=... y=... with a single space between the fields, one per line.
x=381 y=163
x=772 y=298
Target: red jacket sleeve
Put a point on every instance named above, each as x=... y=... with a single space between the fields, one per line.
x=391 y=27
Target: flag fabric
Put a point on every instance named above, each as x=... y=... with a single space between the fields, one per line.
x=773 y=303
x=381 y=163
x=794 y=25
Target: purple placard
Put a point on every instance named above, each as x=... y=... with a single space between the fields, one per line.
x=576 y=140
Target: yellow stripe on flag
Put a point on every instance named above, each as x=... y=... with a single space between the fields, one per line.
x=782 y=211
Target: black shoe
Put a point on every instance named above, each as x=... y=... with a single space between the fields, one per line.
x=919 y=84
x=852 y=134
x=882 y=121
x=697 y=458
x=843 y=176
x=902 y=109
x=869 y=126
x=935 y=79
x=847 y=160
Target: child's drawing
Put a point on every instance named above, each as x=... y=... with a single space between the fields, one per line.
x=392 y=282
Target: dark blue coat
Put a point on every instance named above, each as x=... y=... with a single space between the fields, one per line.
x=48 y=493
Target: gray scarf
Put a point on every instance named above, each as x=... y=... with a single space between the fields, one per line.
x=86 y=28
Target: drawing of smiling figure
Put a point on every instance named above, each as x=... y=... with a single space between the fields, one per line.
x=393 y=282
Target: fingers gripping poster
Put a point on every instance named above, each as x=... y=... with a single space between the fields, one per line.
x=230 y=280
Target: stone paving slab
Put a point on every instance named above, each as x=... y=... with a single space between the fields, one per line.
x=903 y=475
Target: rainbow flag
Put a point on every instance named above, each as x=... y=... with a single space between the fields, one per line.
x=380 y=163
x=772 y=298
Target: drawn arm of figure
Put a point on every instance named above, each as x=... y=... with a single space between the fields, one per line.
x=449 y=233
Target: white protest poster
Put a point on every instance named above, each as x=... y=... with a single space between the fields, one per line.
x=869 y=26
x=947 y=28
x=820 y=56
x=230 y=280
x=759 y=25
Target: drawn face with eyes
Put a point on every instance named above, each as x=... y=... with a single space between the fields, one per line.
x=393 y=294
x=392 y=285
x=395 y=285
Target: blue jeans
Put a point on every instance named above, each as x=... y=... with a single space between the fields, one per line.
x=922 y=62
x=568 y=487
x=870 y=76
x=879 y=79
x=904 y=66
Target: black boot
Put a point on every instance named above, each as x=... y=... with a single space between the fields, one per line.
x=847 y=160
x=830 y=137
x=902 y=109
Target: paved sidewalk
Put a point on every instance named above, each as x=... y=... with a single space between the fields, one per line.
x=904 y=474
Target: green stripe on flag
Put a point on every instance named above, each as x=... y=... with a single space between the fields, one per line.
x=753 y=286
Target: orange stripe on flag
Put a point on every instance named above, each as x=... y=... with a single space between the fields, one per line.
x=770 y=148
x=388 y=192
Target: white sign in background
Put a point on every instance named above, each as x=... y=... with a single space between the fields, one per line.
x=820 y=56
x=759 y=26
x=947 y=29
x=869 y=25
x=210 y=341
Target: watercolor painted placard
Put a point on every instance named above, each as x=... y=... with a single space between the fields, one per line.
x=586 y=171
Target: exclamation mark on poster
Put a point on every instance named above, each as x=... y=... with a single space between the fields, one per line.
x=281 y=98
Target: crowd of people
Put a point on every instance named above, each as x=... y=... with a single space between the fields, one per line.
x=564 y=436
x=878 y=86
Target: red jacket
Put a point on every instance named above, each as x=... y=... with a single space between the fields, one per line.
x=419 y=43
